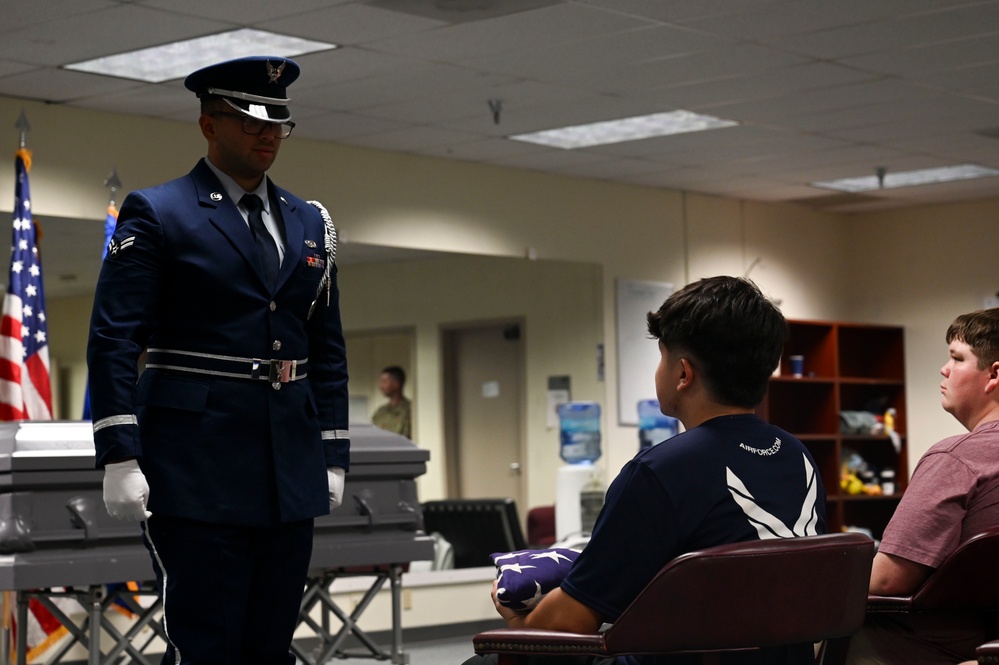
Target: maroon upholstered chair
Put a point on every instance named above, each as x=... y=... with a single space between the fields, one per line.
x=726 y=598
x=541 y=526
x=965 y=582
x=988 y=653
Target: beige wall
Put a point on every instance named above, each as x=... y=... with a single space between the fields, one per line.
x=920 y=268
x=908 y=267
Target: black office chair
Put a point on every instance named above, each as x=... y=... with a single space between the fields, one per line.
x=475 y=528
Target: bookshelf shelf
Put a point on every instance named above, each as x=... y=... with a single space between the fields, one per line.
x=847 y=367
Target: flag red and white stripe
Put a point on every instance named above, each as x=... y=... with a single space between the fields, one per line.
x=25 y=386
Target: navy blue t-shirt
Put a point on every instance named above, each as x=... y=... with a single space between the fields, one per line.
x=730 y=479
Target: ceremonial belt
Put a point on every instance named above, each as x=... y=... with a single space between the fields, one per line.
x=263 y=369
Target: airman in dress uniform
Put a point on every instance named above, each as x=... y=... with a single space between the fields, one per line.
x=234 y=437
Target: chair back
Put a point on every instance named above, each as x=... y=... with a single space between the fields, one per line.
x=966 y=580
x=751 y=594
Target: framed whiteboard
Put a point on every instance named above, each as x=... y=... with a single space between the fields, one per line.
x=637 y=355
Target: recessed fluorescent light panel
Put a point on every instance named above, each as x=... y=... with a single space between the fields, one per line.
x=626 y=129
x=171 y=61
x=908 y=178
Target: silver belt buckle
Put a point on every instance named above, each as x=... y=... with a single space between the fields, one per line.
x=283 y=371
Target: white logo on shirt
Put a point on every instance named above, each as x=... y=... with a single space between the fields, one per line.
x=766 y=452
x=770 y=526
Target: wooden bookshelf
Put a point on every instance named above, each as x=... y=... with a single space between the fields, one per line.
x=851 y=367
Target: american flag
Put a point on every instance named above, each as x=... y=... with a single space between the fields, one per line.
x=25 y=388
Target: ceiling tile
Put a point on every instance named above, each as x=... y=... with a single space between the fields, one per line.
x=681 y=10
x=353 y=24
x=979 y=80
x=918 y=60
x=108 y=31
x=717 y=64
x=340 y=65
x=549 y=62
x=762 y=23
x=59 y=85
x=8 y=67
x=247 y=12
x=18 y=16
x=558 y=23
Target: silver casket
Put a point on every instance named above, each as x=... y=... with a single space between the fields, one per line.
x=54 y=530
x=55 y=533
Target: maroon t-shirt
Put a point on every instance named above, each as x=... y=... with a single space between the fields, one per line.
x=953 y=495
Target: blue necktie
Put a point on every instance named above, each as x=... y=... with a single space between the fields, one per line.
x=266 y=248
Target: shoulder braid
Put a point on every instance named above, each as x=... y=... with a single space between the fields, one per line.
x=330 y=245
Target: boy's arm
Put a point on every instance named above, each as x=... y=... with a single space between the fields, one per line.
x=556 y=611
x=893 y=575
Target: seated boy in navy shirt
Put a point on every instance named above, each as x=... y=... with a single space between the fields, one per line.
x=730 y=477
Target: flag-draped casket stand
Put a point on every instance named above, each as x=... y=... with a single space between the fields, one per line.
x=55 y=532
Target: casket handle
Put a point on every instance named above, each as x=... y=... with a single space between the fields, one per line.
x=83 y=514
x=365 y=509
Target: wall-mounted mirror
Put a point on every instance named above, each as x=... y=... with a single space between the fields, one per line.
x=439 y=315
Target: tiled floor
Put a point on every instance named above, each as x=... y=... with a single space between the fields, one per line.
x=453 y=651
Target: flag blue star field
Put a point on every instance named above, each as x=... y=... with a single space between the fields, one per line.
x=524 y=577
x=25 y=388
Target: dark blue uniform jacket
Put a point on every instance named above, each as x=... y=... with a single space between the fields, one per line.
x=182 y=275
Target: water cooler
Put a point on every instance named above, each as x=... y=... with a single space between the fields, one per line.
x=579 y=490
x=653 y=426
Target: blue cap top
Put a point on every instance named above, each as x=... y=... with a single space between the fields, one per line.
x=256 y=85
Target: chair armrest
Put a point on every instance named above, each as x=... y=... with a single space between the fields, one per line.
x=889 y=604
x=529 y=641
x=988 y=653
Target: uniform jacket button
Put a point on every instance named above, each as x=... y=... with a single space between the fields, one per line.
x=276 y=346
x=273 y=306
x=276 y=386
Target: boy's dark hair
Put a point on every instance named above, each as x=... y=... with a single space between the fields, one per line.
x=980 y=331
x=729 y=330
x=397 y=373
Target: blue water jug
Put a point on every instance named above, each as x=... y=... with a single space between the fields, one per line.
x=580 y=432
x=653 y=426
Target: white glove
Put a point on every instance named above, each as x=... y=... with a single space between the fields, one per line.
x=334 y=475
x=126 y=491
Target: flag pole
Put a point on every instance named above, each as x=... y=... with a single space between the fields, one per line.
x=113 y=183
x=23 y=127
